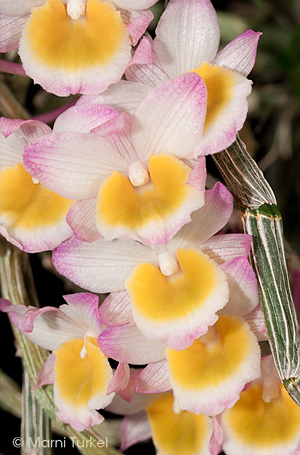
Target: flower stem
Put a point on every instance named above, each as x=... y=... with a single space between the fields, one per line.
x=262 y=220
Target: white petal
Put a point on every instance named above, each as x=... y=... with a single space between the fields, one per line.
x=196 y=39
x=83 y=118
x=19 y=7
x=100 y=266
x=206 y=221
x=171 y=118
x=127 y=345
x=124 y=96
x=72 y=165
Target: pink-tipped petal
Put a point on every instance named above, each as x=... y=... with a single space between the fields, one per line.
x=206 y=221
x=135 y=428
x=221 y=129
x=11 y=150
x=83 y=309
x=243 y=289
x=239 y=55
x=120 y=378
x=127 y=345
x=11 y=29
x=124 y=96
x=144 y=67
x=72 y=165
x=46 y=373
x=118 y=133
x=136 y=23
x=256 y=322
x=82 y=118
x=129 y=391
x=30 y=130
x=116 y=309
x=100 y=266
x=215 y=443
x=38 y=239
x=198 y=174
x=196 y=39
x=136 y=405
x=48 y=327
x=154 y=378
x=4 y=305
x=171 y=118
x=223 y=248
x=82 y=219
x=84 y=421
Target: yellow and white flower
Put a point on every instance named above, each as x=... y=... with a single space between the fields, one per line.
x=78 y=368
x=265 y=420
x=74 y=46
x=32 y=217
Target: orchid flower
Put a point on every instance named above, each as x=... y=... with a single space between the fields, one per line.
x=134 y=176
x=32 y=217
x=74 y=46
x=148 y=415
x=187 y=40
x=175 y=289
x=173 y=431
x=80 y=371
x=207 y=377
x=264 y=421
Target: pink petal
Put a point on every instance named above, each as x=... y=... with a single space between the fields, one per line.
x=72 y=164
x=11 y=29
x=83 y=309
x=88 y=420
x=239 y=55
x=207 y=220
x=256 y=321
x=4 y=305
x=127 y=345
x=31 y=130
x=118 y=133
x=198 y=174
x=49 y=330
x=154 y=378
x=124 y=96
x=116 y=309
x=134 y=428
x=144 y=66
x=138 y=404
x=83 y=118
x=100 y=266
x=215 y=443
x=223 y=248
x=32 y=314
x=171 y=118
x=120 y=378
x=243 y=288
x=46 y=373
x=82 y=220
x=128 y=392
x=137 y=23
